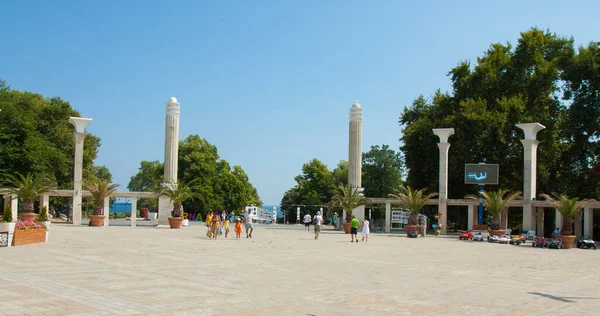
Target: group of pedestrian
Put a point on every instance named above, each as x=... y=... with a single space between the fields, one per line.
x=219 y=224
x=317 y=221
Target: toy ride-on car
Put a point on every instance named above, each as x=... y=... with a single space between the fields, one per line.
x=586 y=242
x=413 y=234
x=556 y=243
x=478 y=236
x=504 y=239
x=465 y=236
x=538 y=242
x=493 y=239
x=515 y=240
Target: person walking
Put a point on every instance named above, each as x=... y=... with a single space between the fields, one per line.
x=226 y=226
x=231 y=216
x=354 y=228
x=335 y=220
x=249 y=224
x=306 y=221
x=216 y=224
x=238 y=228
x=318 y=225
x=365 y=230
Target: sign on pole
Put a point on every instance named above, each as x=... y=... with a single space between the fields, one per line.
x=481 y=173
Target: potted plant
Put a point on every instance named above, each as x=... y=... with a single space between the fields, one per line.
x=178 y=193
x=28 y=188
x=43 y=219
x=6 y=224
x=348 y=198
x=570 y=209
x=496 y=204
x=99 y=189
x=28 y=232
x=413 y=200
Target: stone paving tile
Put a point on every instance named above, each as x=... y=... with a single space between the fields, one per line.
x=284 y=271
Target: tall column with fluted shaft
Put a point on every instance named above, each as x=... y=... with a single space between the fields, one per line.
x=80 y=124
x=530 y=145
x=444 y=146
x=355 y=154
x=165 y=206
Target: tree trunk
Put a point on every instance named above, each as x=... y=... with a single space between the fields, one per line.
x=495 y=222
x=27 y=206
x=177 y=210
x=348 y=216
x=98 y=209
x=567 y=229
x=413 y=219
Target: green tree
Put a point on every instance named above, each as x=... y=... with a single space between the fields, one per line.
x=347 y=199
x=28 y=188
x=382 y=171
x=506 y=86
x=179 y=193
x=99 y=189
x=36 y=136
x=315 y=183
x=340 y=173
x=569 y=208
x=496 y=203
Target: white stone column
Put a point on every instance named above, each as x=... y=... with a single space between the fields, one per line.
x=530 y=145
x=504 y=220
x=45 y=202
x=355 y=154
x=106 y=211
x=80 y=124
x=588 y=221
x=388 y=217
x=559 y=220
x=165 y=206
x=14 y=207
x=444 y=146
x=470 y=217
x=133 y=216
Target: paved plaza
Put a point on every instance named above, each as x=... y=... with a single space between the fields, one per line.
x=284 y=271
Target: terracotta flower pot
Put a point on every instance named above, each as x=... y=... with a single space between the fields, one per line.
x=568 y=241
x=498 y=232
x=480 y=227
x=410 y=228
x=347 y=227
x=97 y=220
x=175 y=222
x=27 y=216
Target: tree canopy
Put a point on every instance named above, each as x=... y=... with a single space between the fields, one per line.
x=221 y=187
x=36 y=137
x=542 y=80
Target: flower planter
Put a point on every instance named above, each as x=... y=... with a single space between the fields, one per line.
x=410 y=228
x=10 y=228
x=347 y=227
x=29 y=236
x=185 y=223
x=27 y=216
x=175 y=222
x=97 y=220
x=498 y=232
x=568 y=241
x=152 y=215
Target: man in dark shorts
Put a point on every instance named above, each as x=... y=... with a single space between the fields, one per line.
x=354 y=228
x=307 y=220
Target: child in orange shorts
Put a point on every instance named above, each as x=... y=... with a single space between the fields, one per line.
x=238 y=228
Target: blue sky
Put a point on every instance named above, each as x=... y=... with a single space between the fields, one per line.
x=270 y=83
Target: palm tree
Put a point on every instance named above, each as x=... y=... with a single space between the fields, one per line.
x=413 y=200
x=178 y=193
x=348 y=198
x=569 y=208
x=99 y=189
x=28 y=188
x=496 y=203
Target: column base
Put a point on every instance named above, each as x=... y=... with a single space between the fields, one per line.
x=165 y=207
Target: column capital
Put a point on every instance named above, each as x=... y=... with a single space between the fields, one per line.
x=80 y=123
x=443 y=146
x=173 y=107
x=443 y=134
x=529 y=142
x=531 y=129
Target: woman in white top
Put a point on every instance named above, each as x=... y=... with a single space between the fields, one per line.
x=365 y=230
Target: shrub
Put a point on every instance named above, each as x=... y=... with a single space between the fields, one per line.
x=43 y=217
x=7 y=216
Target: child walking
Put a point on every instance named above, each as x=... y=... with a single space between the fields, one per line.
x=365 y=230
x=226 y=226
x=238 y=228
